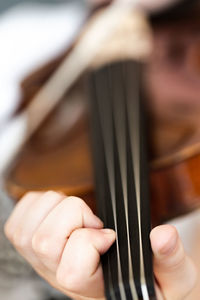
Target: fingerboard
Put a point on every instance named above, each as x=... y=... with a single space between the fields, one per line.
x=120 y=166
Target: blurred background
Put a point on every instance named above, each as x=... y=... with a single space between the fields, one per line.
x=4 y=5
x=32 y=33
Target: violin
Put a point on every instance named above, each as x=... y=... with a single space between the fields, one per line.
x=59 y=156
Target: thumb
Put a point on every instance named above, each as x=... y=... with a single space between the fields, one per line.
x=174 y=270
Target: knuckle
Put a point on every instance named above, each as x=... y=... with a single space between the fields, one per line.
x=78 y=206
x=30 y=195
x=52 y=197
x=41 y=244
x=51 y=194
x=21 y=240
x=78 y=202
x=44 y=246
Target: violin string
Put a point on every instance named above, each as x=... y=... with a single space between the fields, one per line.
x=119 y=118
x=134 y=126
x=118 y=124
x=106 y=126
x=112 y=294
x=97 y=133
x=110 y=168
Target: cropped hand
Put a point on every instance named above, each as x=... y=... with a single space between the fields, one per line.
x=63 y=240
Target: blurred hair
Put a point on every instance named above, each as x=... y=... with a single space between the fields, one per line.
x=183 y=10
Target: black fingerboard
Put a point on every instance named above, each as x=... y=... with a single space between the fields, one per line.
x=120 y=167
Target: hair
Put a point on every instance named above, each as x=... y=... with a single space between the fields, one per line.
x=183 y=10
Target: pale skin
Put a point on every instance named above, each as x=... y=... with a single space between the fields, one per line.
x=63 y=241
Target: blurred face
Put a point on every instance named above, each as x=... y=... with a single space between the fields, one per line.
x=174 y=72
x=173 y=84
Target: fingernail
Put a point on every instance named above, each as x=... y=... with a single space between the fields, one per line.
x=164 y=240
x=108 y=231
x=169 y=246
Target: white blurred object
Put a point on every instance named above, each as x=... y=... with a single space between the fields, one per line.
x=11 y=140
x=32 y=34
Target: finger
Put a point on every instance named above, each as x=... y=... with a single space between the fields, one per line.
x=19 y=211
x=21 y=227
x=174 y=270
x=79 y=270
x=51 y=236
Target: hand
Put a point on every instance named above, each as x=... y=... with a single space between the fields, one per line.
x=63 y=240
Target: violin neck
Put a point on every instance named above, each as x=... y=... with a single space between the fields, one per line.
x=120 y=161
